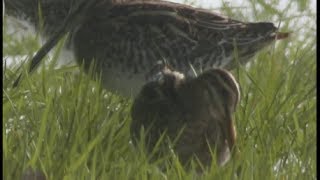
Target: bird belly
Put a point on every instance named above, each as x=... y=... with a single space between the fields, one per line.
x=126 y=84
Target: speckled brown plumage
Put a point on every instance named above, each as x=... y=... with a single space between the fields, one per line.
x=201 y=107
x=127 y=38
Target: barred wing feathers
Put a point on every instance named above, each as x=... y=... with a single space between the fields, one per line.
x=154 y=30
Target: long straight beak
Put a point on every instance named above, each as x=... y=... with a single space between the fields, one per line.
x=229 y=131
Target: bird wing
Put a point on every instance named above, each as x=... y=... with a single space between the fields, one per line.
x=150 y=30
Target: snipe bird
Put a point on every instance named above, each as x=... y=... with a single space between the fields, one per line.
x=125 y=38
x=198 y=112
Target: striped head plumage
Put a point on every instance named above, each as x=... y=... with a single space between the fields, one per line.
x=200 y=108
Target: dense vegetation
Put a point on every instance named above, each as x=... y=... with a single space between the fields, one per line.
x=61 y=123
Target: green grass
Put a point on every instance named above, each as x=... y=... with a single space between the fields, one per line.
x=60 y=122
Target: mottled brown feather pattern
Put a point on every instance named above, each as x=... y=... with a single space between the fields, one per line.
x=127 y=38
x=203 y=107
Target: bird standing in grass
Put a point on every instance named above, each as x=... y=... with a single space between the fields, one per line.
x=197 y=113
x=125 y=38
